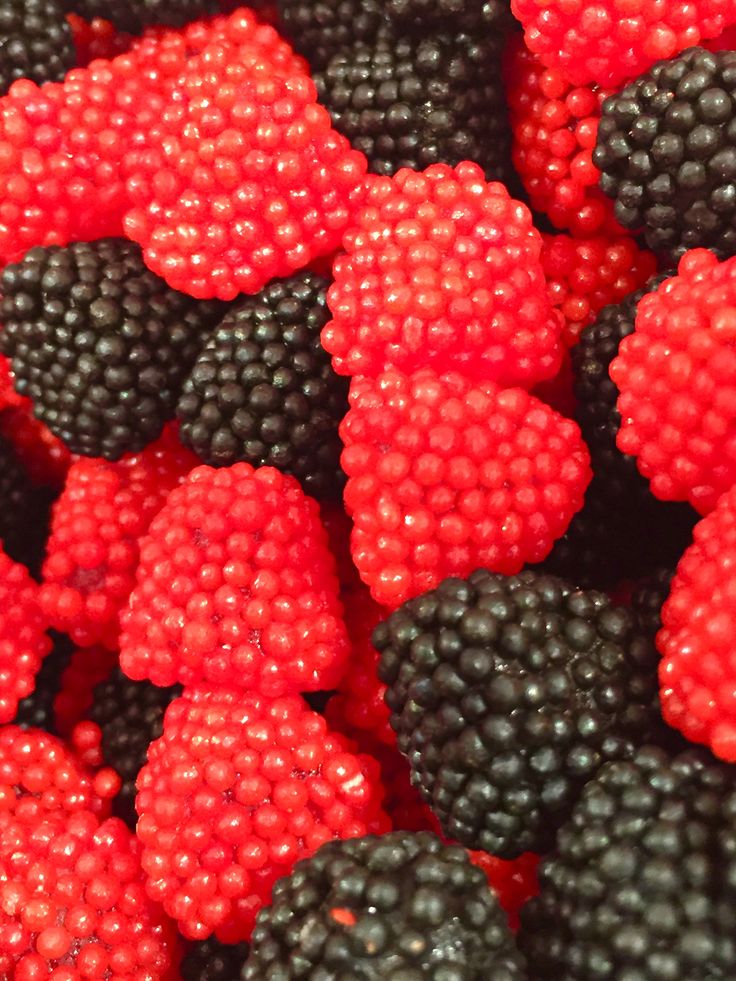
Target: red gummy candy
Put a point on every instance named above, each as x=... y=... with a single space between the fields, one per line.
x=442 y=269
x=236 y=586
x=23 y=640
x=611 y=42
x=243 y=177
x=697 y=672
x=677 y=380
x=445 y=475
x=554 y=126
x=584 y=275
x=237 y=789
x=96 y=526
x=97 y=38
x=72 y=902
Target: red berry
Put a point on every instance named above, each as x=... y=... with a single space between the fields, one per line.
x=23 y=640
x=37 y=768
x=442 y=269
x=611 y=41
x=72 y=902
x=585 y=275
x=236 y=586
x=97 y=523
x=697 y=673
x=445 y=475
x=96 y=38
x=677 y=380
x=243 y=177
x=554 y=126
x=238 y=789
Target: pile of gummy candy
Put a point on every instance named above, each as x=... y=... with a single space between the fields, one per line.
x=367 y=490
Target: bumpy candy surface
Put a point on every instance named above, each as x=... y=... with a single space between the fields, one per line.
x=236 y=586
x=445 y=475
x=442 y=269
x=697 y=637
x=677 y=380
x=237 y=789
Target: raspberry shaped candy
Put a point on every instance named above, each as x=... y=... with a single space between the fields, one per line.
x=236 y=586
x=697 y=638
x=609 y=43
x=72 y=901
x=96 y=38
x=584 y=275
x=237 y=789
x=667 y=152
x=642 y=879
x=99 y=343
x=35 y=42
x=243 y=178
x=554 y=125
x=676 y=375
x=130 y=715
x=412 y=102
x=401 y=905
x=263 y=390
x=96 y=527
x=442 y=269
x=23 y=641
x=445 y=476
x=507 y=694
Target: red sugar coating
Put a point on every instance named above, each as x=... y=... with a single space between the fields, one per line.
x=44 y=457
x=584 y=275
x=558 y=392
x=697 y=673
x=72 y=902
x=554 y=125
x=358 y=705
x=244 y=178
x=611 y=41
x=88 y=667
x=236 y=586
x=514 y=882
x=97 y=523
x=97 y=38
x=238 y=789
x=37 y=768
x=23 y=640
x=445 y=475
x=677 y=380
x=442 y=269
x=62 y=144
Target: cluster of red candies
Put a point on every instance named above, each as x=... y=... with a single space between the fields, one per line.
x=453 y=316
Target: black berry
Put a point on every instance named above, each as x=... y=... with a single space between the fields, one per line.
x=35 y=42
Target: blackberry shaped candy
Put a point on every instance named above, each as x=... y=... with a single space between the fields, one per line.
x=16 y=502
x=130 y=715
x=134 y=15
x=642 y=884
x=647 y=600
x=507 y=694
x=399 y=906
x=35 y=42
x=491 y=17
x=99 y=343
x=667 y=152
x=211 y=960
x=263 y=389
x=36 y=711
x=412 y=102
x=319 y=29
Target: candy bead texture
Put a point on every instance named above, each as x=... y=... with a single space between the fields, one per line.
x=441 y=269
x=609 y=42
x=696 y=641
x=445 y=476
x=676 y=375
x=94 y=547
x=243 y=177
x=236 y=586
x=237 y=789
